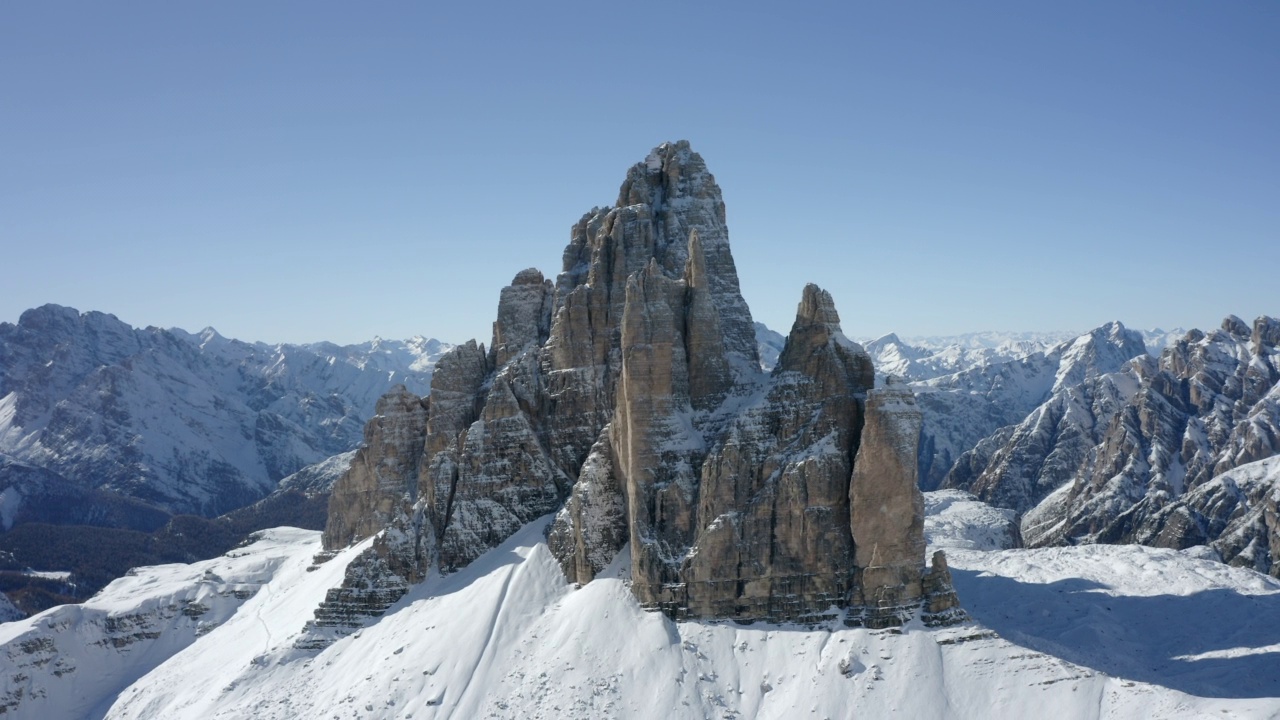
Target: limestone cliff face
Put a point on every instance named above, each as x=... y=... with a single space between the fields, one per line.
x=774 y=537
x=627 y=398
x=384 y=472
x=888 y=509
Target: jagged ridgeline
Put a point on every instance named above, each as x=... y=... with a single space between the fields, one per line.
x=627 y=397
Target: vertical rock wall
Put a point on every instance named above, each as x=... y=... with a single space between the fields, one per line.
x=627 y=397
x=384 y=472
x=888 y=511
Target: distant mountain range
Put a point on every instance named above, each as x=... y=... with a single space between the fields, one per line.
x=110 y=426
x=185 y=423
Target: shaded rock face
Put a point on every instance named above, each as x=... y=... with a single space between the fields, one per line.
x=591 y=529
x=628 y=398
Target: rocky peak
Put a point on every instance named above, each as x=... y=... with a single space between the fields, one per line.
x=710 y=376
x=1266 y=332
x=890 y=339
x=1102 y=350
x=673 y=190
x=524 y=316
x=1121 y=455
x=817 y=309
x=817 y=346
x=629 y=397
x=1235 y=327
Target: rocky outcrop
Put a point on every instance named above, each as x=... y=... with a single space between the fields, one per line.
x=374 y=580
x=1235 y=515
x=384 y=472
x=770 y=529
x=1019 y=465
x=628 y=399
x=591 y=529
x=524 y=316
x=1209 y=404
x=941 y=605
x=887 y=507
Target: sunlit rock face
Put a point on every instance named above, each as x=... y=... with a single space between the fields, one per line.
x=628 y=398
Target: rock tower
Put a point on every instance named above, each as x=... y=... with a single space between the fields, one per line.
x=627 y=398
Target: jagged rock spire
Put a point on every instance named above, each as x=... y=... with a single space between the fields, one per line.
x=629 y=395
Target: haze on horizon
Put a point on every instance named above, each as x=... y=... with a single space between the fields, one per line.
x=344 y=172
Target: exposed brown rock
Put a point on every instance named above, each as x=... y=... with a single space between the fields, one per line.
x=629 y=398
x=888 y=510
x=710 y=377
x=656 y=444
x=384 y=473
x=504 y=475
x=524 y=316
x=774 y=539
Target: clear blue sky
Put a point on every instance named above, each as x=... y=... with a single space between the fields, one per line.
x=306 y=171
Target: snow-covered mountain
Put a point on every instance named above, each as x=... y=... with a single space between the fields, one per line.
x=75 y=560
x=1174 y=452
x=923 y=358
x=963 y=408
x=185 y=423
x=1079 y=632
x=612 y=511
x=1033 y=341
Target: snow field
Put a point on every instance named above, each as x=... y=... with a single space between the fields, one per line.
x=1084 y=632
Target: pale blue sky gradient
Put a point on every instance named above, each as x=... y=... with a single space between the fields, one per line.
x=306 y=171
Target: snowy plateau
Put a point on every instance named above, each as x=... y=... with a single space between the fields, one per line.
x=1078 y=632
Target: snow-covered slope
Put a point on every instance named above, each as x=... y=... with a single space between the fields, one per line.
x=957 y=519
x=73 y=660
x=8 y=612
x=769 y=343
x=1234 y=514
x=192 y=423
x=1086 y=632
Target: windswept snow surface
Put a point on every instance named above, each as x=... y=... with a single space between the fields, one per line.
x=1089 y=632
